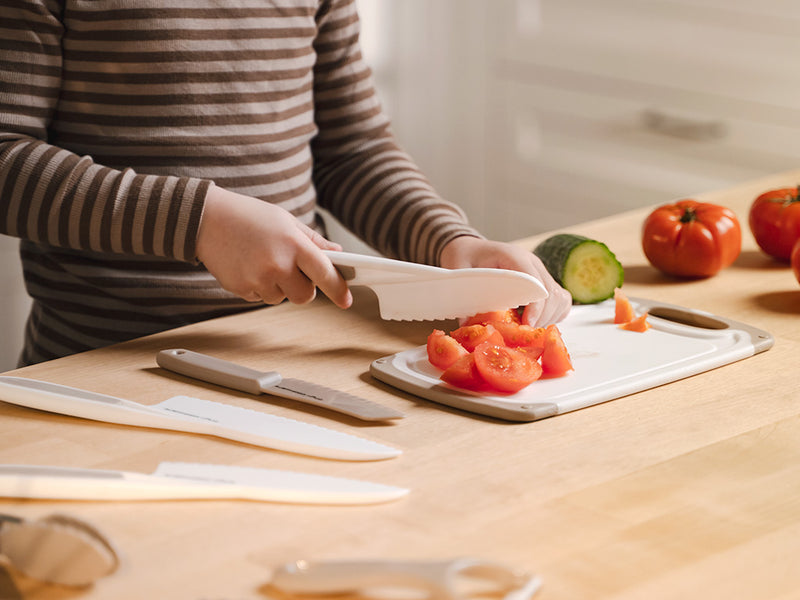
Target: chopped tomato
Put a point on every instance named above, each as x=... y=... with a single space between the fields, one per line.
x=496 y=316
x=639 y=324
x=555 y=357
x=464 y=374
x=623 y=309
x=470 y=336
x=505 y=369
x=515 y=335
x=443 y=350
x=534 y=352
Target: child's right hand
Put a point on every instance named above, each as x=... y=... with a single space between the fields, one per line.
x=260 y=252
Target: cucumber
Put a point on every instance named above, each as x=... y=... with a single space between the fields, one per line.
x=584 y=267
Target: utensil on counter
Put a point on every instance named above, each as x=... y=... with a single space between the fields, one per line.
x=412 y=292
x=183 y=413
x=609 y=362
x=238 y=377
x=186 y=481
x=442 y=580
x=59 y=549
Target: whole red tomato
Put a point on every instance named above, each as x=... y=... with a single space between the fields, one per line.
x=796 y=260
x=691 y=239
x=775 y=221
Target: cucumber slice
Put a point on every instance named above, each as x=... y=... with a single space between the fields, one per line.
x=584 y=267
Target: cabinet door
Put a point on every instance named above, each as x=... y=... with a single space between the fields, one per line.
x=597 y=108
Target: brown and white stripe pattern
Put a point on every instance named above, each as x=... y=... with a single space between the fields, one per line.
x=117 y=115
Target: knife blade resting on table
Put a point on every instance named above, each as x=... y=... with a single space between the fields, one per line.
x=238 y=377
x=193 y=415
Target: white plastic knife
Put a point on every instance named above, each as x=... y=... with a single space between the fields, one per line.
x=238 y=377
x=413 y=292
x=176 y=480
x=183 y=413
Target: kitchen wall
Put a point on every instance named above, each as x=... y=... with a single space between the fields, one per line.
x=537 y=114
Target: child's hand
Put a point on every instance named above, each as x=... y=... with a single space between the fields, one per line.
x=466 y=251
x=260 y=252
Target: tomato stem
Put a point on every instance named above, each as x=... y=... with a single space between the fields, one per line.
x=688 y=215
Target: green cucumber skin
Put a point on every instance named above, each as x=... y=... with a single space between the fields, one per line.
x=554 y=252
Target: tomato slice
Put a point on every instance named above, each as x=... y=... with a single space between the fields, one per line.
x=639 y=324
x=470 y=336
x=495 y=316
x=516 y=335
x=534 y=352
x=443 y=350
x=505 y=369
x=623 y=309
x=555 y=357
x=464 y=374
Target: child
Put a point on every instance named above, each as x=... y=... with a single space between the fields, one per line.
x=162 y=163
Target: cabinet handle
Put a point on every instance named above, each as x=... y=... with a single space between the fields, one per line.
x=683 y=127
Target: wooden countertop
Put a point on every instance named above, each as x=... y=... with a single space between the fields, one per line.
x=687 y=490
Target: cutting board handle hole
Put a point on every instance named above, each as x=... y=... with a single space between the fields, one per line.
x=686 y=317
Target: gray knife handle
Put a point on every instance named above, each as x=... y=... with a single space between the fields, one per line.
x=217 y=371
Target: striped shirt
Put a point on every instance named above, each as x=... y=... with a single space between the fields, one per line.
x=116 y=117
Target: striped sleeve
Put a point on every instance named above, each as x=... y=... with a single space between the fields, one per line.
x=370 y=184
x=57 y=197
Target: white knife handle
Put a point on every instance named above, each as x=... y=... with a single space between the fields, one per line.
x=363 y=269
x=216 y=370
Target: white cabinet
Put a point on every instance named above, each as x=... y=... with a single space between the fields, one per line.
x=537 y=114
x=598 y=107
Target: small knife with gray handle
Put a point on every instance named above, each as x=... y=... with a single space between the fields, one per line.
x=238 y=377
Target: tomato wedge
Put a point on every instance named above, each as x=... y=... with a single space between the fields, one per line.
x=516 y=335
x=443 y=350
x=470 y=336
x=623 y=309
x=555 y=357
x=495 y=316
x=464 y=374
x=505 y=369
x=638 y=324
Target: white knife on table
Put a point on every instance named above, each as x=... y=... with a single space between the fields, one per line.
x=183 y=413
x=413 y=292
x=185 y=481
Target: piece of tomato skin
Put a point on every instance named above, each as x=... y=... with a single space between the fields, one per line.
x=639 y=324
x=623 y=309
x=556 y=360
x=505 y=369
x=470 y=336
x=443 y=350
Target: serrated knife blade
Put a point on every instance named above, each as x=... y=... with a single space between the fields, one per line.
x=238 y=377
x=413 y=292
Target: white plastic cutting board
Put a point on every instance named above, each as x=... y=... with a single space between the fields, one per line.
x=609 y=362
